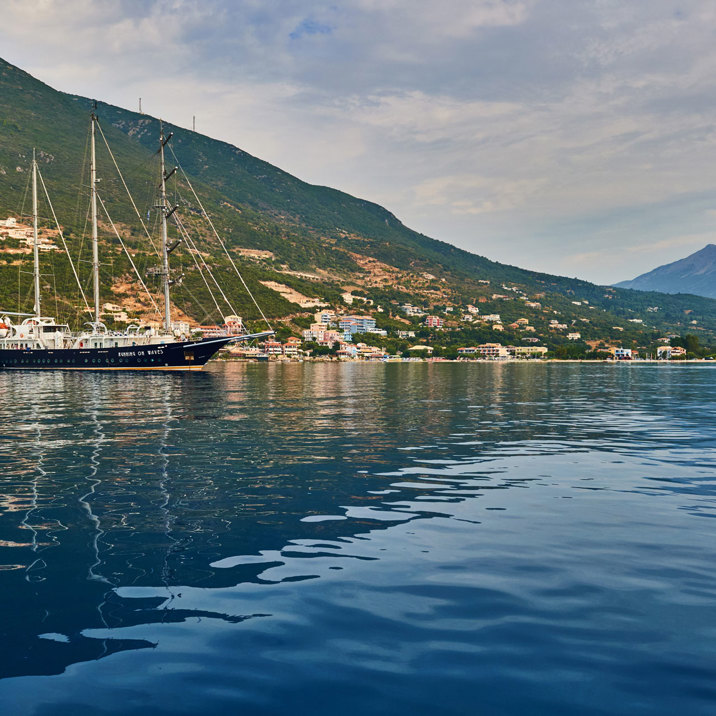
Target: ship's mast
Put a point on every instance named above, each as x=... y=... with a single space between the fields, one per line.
x=164 y=209
x=36 y=242
x=95 y=243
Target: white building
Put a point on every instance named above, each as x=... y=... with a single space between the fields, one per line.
x=669 y=352
x=621 y=353
x=411 y=310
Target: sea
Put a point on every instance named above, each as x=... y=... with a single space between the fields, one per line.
x=422 y=538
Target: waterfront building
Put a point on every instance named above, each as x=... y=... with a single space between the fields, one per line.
x=273 y=348
x=421 y=349
x=669 y=352
x=493 y=350
x=292 y=347
x=621 y=353
x=527 y=351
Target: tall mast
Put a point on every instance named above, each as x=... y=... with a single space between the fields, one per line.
x=36 y=242
x=95 y=243
x=164 y=214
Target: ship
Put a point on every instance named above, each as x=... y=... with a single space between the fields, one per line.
x=33 y=341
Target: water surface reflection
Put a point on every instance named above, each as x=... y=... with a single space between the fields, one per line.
x=404 y=536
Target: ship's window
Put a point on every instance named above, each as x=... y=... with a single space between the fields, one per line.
x=188 y=355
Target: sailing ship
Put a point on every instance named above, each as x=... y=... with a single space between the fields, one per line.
x=39 y=342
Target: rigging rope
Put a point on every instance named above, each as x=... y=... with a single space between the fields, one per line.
x=184 y=287
x=114 y=228
x=216 y=234
x=194 y=251
x=126 y=188
x=62 y=236
x=24 y=196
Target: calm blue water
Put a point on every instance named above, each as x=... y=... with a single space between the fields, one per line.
x=359 y=539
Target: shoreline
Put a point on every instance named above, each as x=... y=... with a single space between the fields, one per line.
x=513 y=361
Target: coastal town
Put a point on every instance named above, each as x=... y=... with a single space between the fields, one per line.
x=347 y=338
x=502 y=322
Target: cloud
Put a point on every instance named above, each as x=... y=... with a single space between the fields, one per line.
x=561 y=136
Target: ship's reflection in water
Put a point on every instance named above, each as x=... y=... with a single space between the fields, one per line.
x=422 y=531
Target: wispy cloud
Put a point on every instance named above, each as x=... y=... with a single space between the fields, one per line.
x=562 y=136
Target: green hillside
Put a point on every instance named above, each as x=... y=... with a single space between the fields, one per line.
x=321 y=240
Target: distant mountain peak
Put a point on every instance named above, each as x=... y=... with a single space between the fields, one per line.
x=695 y=274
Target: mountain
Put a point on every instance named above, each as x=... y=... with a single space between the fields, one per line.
x=294 y=241
x=694 y=274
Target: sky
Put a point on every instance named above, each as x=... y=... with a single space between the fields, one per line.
x=569 y=136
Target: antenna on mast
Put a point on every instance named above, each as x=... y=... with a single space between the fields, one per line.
x=140 y=106
x=193 y=123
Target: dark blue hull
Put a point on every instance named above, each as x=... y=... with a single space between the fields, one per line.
x=188 y=355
